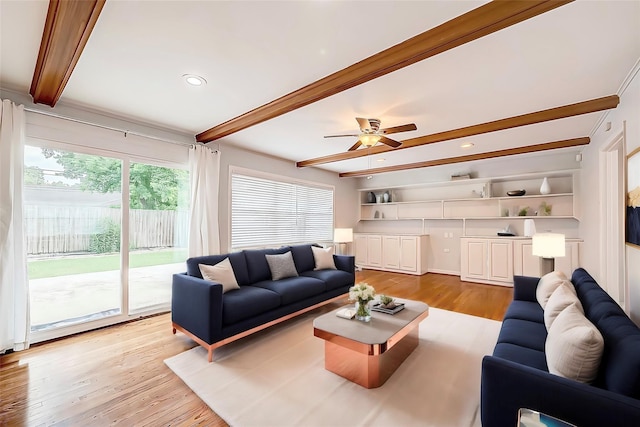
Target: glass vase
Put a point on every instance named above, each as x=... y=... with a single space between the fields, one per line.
x=363 y=311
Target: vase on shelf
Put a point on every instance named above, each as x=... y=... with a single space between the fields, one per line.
x=529 y=228
x=544 y=188
x=371 y=197
x=363 y=311
x=385 y=197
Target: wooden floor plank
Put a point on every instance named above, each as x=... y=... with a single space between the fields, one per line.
x=116 y=375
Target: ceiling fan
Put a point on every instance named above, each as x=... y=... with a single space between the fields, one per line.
x=370 y=133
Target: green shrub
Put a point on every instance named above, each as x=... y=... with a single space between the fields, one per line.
x=107 y=239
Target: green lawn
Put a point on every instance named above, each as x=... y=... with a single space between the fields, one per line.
x=94 y=263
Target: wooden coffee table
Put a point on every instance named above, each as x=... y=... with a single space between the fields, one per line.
x=369 y=353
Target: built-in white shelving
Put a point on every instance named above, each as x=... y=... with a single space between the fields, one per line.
x=480 y=198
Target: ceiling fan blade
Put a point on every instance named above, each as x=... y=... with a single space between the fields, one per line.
x=390 y=142
x=396 y=129
x=337 y=136
x=355 y=146
x=364 y=123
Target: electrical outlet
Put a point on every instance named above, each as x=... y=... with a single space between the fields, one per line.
x=446 y=250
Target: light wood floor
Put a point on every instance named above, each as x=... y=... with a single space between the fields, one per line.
x=116 y=375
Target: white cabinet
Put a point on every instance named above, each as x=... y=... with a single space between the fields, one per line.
x=487 y=260
x=391 y=252
x=368 y=249
x=501 y=260
x=399 y=253
x=411 y=253
x=496 y=261
x=526 y=264
x=474 y=258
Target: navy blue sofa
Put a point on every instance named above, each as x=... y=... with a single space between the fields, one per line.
x=201 y=310
x=516 y=375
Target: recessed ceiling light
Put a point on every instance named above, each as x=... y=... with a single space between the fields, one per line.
x=467 y=145
x=194 y=80
x=381 y=160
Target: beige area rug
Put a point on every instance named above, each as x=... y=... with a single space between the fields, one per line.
x=277 y=378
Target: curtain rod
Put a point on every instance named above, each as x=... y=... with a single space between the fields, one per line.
x=124 y=131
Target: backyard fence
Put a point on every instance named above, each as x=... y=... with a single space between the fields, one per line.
x=62 y=229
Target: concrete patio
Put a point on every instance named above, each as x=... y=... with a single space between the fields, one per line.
x=78 y=296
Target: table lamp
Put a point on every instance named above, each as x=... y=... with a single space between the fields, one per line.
x=342 y=236
x=548 y=246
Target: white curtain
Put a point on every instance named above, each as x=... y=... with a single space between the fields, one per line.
x=204 y=172
x=14 y=285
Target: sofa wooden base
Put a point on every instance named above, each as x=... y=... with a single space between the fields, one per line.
x=211 y=347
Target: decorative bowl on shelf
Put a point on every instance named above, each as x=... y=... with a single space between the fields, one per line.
x=516 y=193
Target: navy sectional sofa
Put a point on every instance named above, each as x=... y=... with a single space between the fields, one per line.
x=516 y=375
x=201 y=310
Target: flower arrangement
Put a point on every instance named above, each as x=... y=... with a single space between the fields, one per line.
x=362 y=293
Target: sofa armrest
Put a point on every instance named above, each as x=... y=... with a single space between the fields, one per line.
x=196 y=305
x=345 y=263
x=524 y=288
x=508 y=386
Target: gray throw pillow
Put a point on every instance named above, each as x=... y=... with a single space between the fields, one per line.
x=281 y=266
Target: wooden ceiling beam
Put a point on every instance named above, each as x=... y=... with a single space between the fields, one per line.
x=471 y=157
x=66 y=31
x=470 y=26
x=585 y=107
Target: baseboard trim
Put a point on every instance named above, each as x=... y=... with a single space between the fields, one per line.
x=447 y=272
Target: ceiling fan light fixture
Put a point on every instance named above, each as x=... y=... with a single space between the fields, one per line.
x=194 y=80
x=369 y=140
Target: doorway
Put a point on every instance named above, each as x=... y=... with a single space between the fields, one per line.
x=612 y=195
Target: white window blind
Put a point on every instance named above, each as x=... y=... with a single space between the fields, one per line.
x=266 y=212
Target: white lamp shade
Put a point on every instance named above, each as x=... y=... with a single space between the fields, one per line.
x=548 y=245
x=343 y=235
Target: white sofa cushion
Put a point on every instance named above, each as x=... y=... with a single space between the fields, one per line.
x=547 y=284
x=323 y=258
x=561 y=298
x=574 y=346
x=221 y=273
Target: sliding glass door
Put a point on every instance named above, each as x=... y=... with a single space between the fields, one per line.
x=104 y=237
x=72 y=220
x=158 y=232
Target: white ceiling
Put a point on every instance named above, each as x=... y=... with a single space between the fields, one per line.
x=254 y=52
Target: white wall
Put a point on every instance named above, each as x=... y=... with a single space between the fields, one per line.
x=625 y=118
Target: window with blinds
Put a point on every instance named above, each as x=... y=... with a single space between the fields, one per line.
x=266 y=212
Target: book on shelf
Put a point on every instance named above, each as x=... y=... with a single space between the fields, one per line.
x=382 y=309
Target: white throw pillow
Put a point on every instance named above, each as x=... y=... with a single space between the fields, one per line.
x=547 y=284
x=561 y=298
x=574 y=346
x=221 y=273
x=323 y=258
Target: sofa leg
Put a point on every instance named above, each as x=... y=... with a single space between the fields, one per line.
x=210 y=355
x=174 y=331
